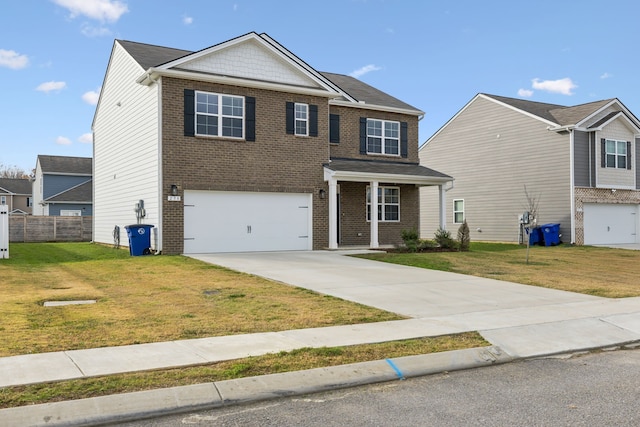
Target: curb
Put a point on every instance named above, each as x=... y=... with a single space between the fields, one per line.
x=154 y=403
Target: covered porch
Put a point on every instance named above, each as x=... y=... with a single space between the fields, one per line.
x=376 y=175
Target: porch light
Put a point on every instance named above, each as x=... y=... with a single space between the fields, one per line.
x=322 y=193
x=174 y=190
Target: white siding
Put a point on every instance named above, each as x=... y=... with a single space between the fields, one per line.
x=492 y=152
x=126 y=149
x=251 y=61
x=38 y=209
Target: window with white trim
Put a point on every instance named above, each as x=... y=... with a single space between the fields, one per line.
x=3 y=200
x=302 y=119
x=219 y=115
x=388 y=204
x=383 y=137
x=458 y=211
x=616 y=154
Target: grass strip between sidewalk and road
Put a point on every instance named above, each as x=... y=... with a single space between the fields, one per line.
x=296 y=360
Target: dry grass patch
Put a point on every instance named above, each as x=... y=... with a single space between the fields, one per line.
x=605 y=272
x=306 y=358
x=146 y=299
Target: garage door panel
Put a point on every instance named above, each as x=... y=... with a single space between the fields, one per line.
x=246 y=221
x=606 y=224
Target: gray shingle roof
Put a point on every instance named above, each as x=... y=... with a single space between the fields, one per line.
x=539 y=109
x=15 y=186
x=149 y=56
x=80 y=193
x=383 y=167
x=66 y=165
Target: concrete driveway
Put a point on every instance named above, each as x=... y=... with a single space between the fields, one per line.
x=409 y=291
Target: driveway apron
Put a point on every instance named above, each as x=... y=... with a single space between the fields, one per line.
x=409 y=291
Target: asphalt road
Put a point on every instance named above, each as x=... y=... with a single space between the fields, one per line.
x=591 y=390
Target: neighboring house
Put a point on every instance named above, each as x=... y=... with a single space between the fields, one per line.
x=17 y=195
x=62 y=186
x=579 y=163
x=243 y=146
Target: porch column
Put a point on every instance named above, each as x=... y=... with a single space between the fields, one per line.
x=333 y=214
x=443 y=206
x=374 y=214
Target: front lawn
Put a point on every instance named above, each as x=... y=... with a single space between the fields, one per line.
x=605 y=272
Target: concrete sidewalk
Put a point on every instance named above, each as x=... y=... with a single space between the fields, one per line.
x=519 y=321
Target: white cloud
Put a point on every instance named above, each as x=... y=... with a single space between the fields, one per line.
x=12 y=59
x=187 y=20
x=86 y=138
x=91 y=97
x=91 y=31
x=101 y=10
x=364 y=70
x=51 y=86
x=525 y=93
x=61 y=140
x=606 y=76
x=562 y=86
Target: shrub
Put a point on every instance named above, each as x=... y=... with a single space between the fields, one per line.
x=464 y=238
x=443 y=239
x=411 y=240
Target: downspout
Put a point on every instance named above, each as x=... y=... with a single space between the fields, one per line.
x=572 y=190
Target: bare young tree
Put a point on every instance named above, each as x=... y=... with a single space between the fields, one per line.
x=12 y=172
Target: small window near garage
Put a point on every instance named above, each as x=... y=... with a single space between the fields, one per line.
x=302 y=119
x=615 y=154
x=458 y=211
x=388 y=204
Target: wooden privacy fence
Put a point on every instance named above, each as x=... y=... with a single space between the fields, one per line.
x=28 y=228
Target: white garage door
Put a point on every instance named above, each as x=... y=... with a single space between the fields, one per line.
x=607 y=224
x=222 y=221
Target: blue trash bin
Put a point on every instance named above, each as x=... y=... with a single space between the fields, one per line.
x=534 y=236
x=139 y=239
x=550 y=234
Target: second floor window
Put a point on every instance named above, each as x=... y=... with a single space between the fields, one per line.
x=616 y=154
x=302 y=119
x=383 y=137
x=219 y=115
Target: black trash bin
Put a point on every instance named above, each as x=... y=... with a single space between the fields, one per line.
x=550 y=234
x=139 y=239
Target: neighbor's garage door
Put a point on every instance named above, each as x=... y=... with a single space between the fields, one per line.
x=221 y=221
x=607 y=224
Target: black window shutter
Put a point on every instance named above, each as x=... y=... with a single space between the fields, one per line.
x=628 y=154
x=290 y=118
x=189 y=113
x=603 y=149
x=363 y=135
x=313 y=120
x=334 y=128
x=404 y=140
x=250 y=118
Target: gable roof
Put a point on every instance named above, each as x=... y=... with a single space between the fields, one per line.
x=351 y=91
x=15 y=186
x=62 y=165
x=81 y=193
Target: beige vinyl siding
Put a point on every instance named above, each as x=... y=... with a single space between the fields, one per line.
x=614 y=177
x=492 y=151
x=126 y=167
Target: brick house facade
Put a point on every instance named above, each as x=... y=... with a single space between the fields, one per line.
x=217 y=193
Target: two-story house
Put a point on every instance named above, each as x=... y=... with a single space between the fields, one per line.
x=578 y=164
x=16 y=194
x=62 y=186
x=243 y=146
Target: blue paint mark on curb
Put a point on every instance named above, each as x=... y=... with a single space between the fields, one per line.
x=395 y=368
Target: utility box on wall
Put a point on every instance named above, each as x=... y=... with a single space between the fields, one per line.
x=4 y=231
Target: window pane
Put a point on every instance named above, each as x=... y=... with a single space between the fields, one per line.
x=207 y=103
x=391 y=146
x=232 y=106
x=458 y=205
x=458 y=217
x=374 y=145
x=206 y=125
x=391 y=213
x=622 y=147
x=374 y=128
x=611 y=147
x=301 y=127
x=611 y=161
x=391 y=130
x=301 y=111
x=232 y=127
x=622 y=162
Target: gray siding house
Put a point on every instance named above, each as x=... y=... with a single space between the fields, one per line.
x=580 y=163
x=63 y=186
x=17 y=195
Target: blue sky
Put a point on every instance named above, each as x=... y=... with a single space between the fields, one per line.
x=434 y=55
